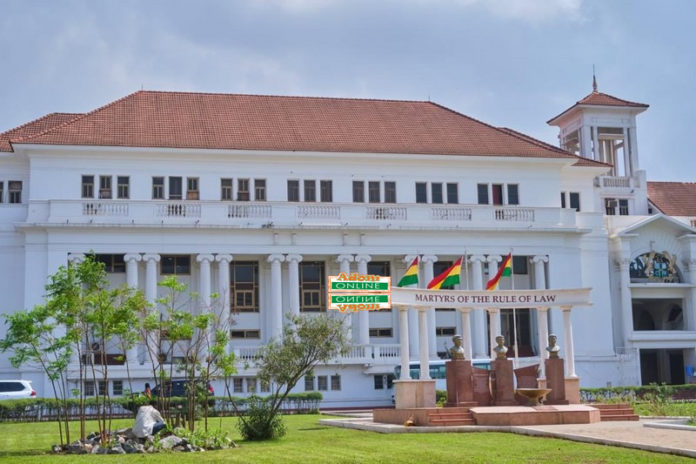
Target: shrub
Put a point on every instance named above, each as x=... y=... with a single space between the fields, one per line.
x=259 y=421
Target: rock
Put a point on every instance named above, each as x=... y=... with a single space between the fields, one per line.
x=170 y=442
x=56 y=448
x=117 y=450
x=76 y=447
x=88 y=447
x=95 y=449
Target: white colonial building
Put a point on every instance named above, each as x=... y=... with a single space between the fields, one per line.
x=260 y=198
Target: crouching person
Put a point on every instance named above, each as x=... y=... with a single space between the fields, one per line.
x=148 y=421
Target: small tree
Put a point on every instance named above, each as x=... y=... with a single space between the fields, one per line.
x=308 y=340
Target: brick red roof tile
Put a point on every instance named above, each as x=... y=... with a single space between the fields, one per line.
x=674 y=198
x=256 y=122
x=34 y=127
x=601 y=99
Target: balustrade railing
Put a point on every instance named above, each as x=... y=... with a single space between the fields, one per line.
x=249 y=211
x=179 y=209
x=514 y=214
x=318 y=211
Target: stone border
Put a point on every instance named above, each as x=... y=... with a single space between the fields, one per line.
x=674 y=425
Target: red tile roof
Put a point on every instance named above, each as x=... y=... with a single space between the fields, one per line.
x=255 y=122
x=581 y=161
x=601 y=99
x=34 y=127
x=673 y=198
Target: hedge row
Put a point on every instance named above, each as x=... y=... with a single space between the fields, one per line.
x=37 y=409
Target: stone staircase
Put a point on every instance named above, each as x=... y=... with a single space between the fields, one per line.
x=451 y=416
x=616 y=412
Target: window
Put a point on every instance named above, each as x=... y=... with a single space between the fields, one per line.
x=421 y=192
x=192 y=192
x=265 y=387
x=158 y=188
x=611 y=205
x=381 y=332
x=175 y=265
x=2 y=191
x=310 y=190
x=440 y=267
x=312 y=286
x=373 y=194
x=245 y=334
x=244 y=286
x=519 y=265
x=436 y=192
x=390 y=192
x=242 y=189
x=326 y=187
x=452 y=193
x=87 y=187
x=513 y=194
x=260 y=189
x=226 y=189
x=382 y=381
x=497 y=193
x=482 y=194
x=251 y=384
x=563 y=200
x=175 y=188
x=89 y=388
x=575 y=200
x=309 y=383
x=293 y=190
x=122 y=187
x=112 y=263
x=105 y=187
x=322 y=383
x=238 y=384
x=117 y=387
x=14 y=191
x=335 y=382
x=101 y=386
x=623 y=207
x=380 y=268
x=358 y=191
x=445 y=330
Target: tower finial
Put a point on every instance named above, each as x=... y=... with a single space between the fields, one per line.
x=594 y=80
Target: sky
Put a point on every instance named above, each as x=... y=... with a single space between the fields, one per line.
x=511 y=63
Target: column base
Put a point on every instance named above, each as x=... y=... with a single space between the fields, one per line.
x=414 y=394
x=572 y=390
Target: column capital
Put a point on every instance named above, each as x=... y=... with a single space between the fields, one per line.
x=493 y=310
x=151 y=257
x=345 y=258
x=76 y=258
x=275 y=258
x=566 y=308
x=408 y=259
x=539 y=259
x=223 y=258
x=363 y=258
x=494 y=258
x=543 y=309
x=429 y=258
x=690 y=264
x=477 y=258
x=464 y=310
x=623 y=263
x=132 y=257
x=205 y=257
x=293 y=258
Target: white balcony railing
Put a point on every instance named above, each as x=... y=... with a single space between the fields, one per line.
x=620 y=182
x=292 y=215
x=357 y=354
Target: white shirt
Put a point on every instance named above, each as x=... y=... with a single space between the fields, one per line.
x=144 y=421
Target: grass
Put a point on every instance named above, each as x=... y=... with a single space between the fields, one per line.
x=665 y=409
x=309 y=442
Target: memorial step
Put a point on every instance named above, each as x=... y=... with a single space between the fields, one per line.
x=616 y=412
x=460 y=417
x=453 y=421
x=619 y=417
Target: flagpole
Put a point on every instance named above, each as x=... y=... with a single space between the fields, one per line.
x=514 y=313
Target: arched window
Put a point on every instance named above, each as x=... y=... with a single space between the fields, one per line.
x=655 y=267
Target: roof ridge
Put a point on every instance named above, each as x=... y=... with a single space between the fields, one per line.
x=579 y=102
x=670 y=182
x=82 y=116
x=34 y=121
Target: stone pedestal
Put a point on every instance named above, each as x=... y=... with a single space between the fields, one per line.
x=504 y=392
x=572 y=390
x=555 y=380
x=460 y=391
x=414 y=394
x=481 y=379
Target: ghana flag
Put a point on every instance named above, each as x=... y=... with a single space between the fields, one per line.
x=411 y=275
x=505 y=269
x=447 y=278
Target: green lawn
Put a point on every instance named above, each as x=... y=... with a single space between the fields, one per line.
x=667 y=409
x=307 y=442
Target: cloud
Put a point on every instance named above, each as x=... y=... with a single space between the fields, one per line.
x=531 y=11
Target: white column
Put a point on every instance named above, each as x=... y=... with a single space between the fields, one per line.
x=344 y=264
x=423 y=339
x=626 y=301
x=294 y=283
x=493 y=313
x=131 y=260
x=626 y=154
x=690 y=313
x=363 y=316
x=403 y=340
x=479 y=315
x=274 y=316
x=224 y=261
x=428 y=261
x=204 y=286
x=569 y=350
x=151 y=261
x=466 y=332
x=633 y=142
x=412 y=318
x=543 y=334
x=595 y=139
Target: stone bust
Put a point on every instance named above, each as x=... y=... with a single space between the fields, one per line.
x=500 y=349
x=553 y=347
x=457 y=351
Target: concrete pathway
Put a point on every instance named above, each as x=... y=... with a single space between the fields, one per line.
x=626 y=434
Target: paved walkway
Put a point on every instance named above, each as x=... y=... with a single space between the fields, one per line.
x=626 y=434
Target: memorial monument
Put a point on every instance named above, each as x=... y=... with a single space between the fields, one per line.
x=458 y=372
x=504 y=391
x=555 y=373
